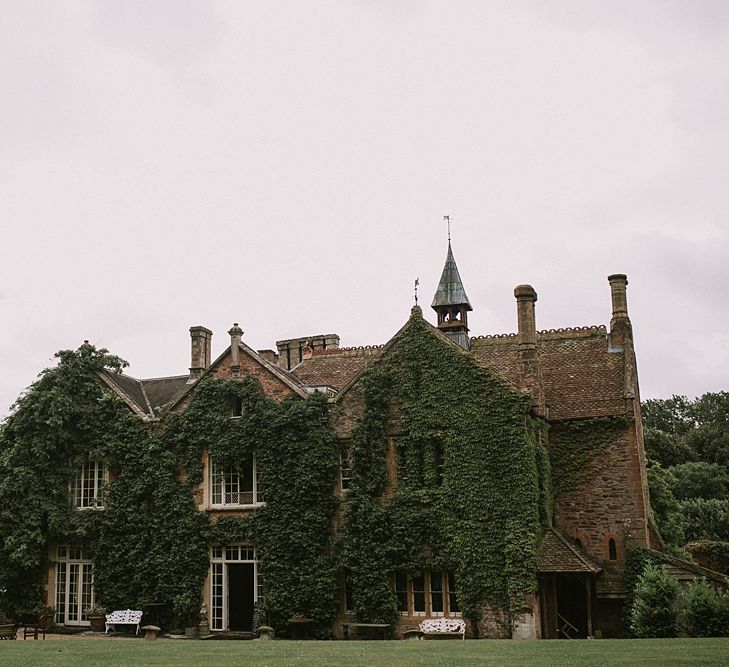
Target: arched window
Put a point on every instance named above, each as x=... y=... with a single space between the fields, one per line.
x=612 y=549
x=578 y=542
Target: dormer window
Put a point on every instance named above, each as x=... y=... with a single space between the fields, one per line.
x=235 y=485
x=87 y=487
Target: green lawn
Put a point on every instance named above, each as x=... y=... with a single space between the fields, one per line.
x=357 y=653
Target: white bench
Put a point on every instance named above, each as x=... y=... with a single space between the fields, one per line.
x=443 y=627
x=123 y=617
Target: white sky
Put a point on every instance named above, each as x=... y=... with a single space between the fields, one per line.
x=286 y=165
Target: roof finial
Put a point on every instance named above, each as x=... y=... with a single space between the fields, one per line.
x=447 y=218
x=417 y=282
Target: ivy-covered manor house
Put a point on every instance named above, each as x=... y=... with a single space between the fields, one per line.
x=498 y=478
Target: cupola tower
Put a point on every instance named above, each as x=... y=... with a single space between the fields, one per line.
x=451 y=303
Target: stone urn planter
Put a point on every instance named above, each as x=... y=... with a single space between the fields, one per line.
x=97 y=623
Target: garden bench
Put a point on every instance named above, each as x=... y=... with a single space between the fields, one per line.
x=123 y=617
x=443 y=627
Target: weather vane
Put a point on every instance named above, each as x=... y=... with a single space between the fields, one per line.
x=447 y=218
x=417 y=282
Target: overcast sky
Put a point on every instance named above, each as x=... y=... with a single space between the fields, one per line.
x=286 y=165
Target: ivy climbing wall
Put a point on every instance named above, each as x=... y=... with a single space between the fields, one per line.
x=472 y=486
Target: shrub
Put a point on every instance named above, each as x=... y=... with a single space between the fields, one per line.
x=654 y=607
x=706 y=610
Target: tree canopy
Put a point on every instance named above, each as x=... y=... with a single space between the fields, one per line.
x=687 y=445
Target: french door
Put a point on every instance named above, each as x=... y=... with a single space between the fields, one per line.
x=235 y=586
x=74 y=586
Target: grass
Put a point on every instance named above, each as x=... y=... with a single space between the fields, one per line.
x=359 y=653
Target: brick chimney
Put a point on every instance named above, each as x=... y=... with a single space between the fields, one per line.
x=236 y=333
x=620 y=326
x=529 y=366
x=291 y=350
x=201 y=343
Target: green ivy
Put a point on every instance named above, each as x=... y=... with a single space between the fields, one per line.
x=574 y=443
x=296 y=464
x=474 y=485
x=148 y=544
x=151 y=543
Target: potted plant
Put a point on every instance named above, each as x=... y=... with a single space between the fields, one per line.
x=96 y=615
x=187 y=607
x=45 y=616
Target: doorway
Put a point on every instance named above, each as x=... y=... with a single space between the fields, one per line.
x=572 y=612
x=236 y=586
x=241 y=579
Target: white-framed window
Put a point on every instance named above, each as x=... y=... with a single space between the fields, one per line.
x=235 y=485
x=427 y=593
x=74 y=585
x=345 y=465
x=87 y=486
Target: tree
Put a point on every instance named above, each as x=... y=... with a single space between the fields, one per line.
x=666 y=448
x=697 y=479
x=670 y=415
x=687 y=442
x=666 y=509
x=706 y=519
x=654 y=606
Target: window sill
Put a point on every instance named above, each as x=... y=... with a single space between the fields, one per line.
x=92 y=509
x=237 y=507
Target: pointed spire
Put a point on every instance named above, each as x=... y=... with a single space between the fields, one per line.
x=451 y=303
x=450 y=290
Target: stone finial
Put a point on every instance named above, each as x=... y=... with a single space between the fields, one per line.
x=236 y=333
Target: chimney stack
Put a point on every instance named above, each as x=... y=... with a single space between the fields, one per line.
x=526 y=297
x=620 y=326
x=530 y=370
x=201 y=342
x=236 y=333
x=618 y=283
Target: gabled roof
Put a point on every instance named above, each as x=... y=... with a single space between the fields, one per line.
x=558 y=554
x=155 y=396
x=147 y=398
x=677 y=567
x=290 y=381
x=450 y=291
x=416 y=312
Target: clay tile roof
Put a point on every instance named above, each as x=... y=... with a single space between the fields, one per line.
x=581 y=376
x=557 y=553
x=334 y=368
